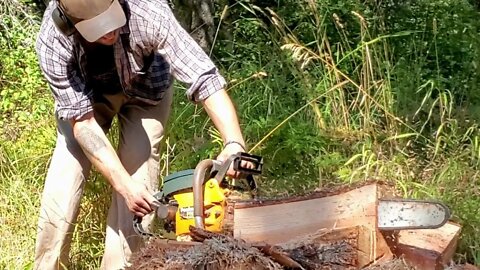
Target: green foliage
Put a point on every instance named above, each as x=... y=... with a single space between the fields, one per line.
x=408 y=103
x=22 y=95
x=328 y=92
x=443 y=48
x=20 y=172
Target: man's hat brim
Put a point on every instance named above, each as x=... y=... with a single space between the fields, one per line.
x=102 y=24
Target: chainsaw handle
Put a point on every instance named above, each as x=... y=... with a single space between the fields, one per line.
x=138 y=228
x=237 y=159
x=209 y=165
x=198 y=179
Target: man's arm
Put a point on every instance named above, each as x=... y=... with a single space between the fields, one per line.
x=222 y=112
x=191 y=65
x=100 y=152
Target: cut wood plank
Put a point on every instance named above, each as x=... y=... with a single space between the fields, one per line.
x=427 y=249
x=283 y=221
x=279 y=222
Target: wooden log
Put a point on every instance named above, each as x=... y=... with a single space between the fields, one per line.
x=372 y=247
x=284 y=220
x=426 y=249
x=277 y=222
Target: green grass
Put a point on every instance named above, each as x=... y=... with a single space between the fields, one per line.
x=19 y=203
x=336 y=100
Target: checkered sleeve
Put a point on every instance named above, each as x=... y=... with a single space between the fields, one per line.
x=62 y=72
x=189 y=63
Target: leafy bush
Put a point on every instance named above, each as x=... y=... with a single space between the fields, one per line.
x=23 y=96
x=327 y=91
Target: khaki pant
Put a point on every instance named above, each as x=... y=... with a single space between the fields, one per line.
x=141 y=129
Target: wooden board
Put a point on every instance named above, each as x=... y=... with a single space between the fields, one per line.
x=283 y=221
x=277 y=223
x=427 y=249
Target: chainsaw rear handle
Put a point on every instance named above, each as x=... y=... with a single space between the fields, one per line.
x=221 y=169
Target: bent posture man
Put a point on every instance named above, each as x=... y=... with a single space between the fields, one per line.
x=105 y=58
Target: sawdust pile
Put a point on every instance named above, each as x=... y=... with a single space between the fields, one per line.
x=222 y=253
x=229 y=253
x=216 y=254
x=212 y=254
x=339 y=255
x=462 y=267
x=397 y=264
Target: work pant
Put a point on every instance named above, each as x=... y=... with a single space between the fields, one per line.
x=141 y=130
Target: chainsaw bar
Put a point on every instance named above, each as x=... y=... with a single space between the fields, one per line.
x=404 y=214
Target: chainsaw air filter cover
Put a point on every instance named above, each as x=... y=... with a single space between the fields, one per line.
x=177 y=181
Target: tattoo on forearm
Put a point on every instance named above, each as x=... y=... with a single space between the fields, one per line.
x=90 y=141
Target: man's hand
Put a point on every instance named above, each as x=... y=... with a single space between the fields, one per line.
x=138 y=198
x=229 y=150
x=100 y=152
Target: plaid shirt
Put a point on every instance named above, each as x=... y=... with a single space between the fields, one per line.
x=152 y=49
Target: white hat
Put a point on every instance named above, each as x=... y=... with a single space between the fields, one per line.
x=94 y=18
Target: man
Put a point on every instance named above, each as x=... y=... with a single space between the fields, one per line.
x=105 y=58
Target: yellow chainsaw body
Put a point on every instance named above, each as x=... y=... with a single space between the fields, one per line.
x=215 y=202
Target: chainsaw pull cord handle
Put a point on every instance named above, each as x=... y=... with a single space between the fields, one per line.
x=198 y=179
x=137 y=221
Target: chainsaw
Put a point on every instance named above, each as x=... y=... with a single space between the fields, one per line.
x=200 y=198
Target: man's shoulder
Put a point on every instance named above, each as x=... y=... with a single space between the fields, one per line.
x=48 y=34
x=47 y=25
x=148 y=9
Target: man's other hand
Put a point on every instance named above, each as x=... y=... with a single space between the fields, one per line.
x=138 y=198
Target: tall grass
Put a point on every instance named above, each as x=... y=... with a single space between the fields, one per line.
x=25 y=143
x=434 y=155
x=22 y=166
x=18 y=201
x=325 y=96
